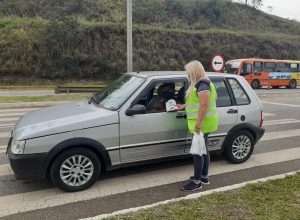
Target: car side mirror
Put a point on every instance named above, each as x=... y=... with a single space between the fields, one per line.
x=136 y=110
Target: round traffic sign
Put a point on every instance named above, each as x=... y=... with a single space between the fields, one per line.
x=217 y=63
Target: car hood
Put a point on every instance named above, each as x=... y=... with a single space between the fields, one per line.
x=63 y=118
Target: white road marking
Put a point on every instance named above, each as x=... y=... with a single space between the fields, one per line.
x=268 y=114
x=8 y=119
x=2 y=149
x=283 y=104
x=2 y=146
x=6 y=125
x=5 y=135
x=40 y=199
x=12 y=114
x=18 y=110
x=5 y=170
x=281 y=121
x=280 y=134
x=193 y=196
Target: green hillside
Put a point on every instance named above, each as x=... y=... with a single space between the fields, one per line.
x=86 y=39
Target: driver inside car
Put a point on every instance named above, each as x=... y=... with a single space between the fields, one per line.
x=165 y=92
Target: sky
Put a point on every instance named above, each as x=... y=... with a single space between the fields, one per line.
x=283 y=8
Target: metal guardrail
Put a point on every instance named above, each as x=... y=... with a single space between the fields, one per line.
x=78 y=89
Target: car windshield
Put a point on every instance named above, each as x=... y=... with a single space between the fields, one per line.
x=232 y=67
x=114 y=95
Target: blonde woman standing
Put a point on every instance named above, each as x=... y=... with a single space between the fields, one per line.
x=202 y=117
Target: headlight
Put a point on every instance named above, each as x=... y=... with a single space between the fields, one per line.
x=17 y=147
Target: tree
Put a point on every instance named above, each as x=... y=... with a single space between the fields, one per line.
x=254 y=3
x=270 y=9
x=257 y=3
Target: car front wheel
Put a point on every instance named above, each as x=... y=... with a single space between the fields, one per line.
x=75 y=169
x=239 y=147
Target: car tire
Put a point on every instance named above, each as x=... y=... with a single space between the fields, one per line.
x=293 y=84
x=239 y=147
x=255 y=84
x=75 y=169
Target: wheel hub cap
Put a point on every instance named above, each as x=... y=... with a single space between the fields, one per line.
x=241 y=147
x=76 y=170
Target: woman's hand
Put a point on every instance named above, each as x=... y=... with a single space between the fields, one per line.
x=197 y=129
x=180 y=107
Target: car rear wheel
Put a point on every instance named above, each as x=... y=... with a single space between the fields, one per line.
x=293 y=84
x=239 y=147
x=75 y=169
x=255 y=84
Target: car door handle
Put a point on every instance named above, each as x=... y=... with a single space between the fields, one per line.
x=232 y=111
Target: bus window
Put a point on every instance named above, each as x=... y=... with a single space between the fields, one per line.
x=293 y=67
x=258 y=67
x=282 y=67
x=247 y=69
x=232 y=67
x=270 y=67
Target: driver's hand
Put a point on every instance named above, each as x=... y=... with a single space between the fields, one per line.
x=159 y=105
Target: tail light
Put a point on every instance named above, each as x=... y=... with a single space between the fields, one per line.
x=261 y=119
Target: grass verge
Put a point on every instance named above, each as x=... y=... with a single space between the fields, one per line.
x=46 y=98
x=24 y=82
x=276 y=199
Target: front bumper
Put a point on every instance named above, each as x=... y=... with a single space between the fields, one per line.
x=27 y=166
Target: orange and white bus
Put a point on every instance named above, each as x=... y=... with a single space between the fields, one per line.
x=266 y=72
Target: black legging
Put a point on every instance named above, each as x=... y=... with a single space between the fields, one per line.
x=201 y=163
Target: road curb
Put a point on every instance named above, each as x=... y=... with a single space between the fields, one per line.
x=193 y=196
x=30 y=104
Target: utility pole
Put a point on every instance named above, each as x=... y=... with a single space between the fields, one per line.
x=129 y=36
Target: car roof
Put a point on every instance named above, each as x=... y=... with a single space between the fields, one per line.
x=148 y=74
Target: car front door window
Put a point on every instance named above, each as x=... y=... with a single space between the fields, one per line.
x=159 y=92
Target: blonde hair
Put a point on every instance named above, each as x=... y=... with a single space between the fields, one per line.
x=195 y=72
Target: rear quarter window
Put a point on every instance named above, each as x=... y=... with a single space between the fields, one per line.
x=223 y=99
x=239 y=93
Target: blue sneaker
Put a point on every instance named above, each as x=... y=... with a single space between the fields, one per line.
x=191 y=186
x=204 y=180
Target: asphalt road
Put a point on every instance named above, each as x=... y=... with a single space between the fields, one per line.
x=147 y=184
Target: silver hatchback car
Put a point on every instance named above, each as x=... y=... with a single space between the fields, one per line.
x=127 y=123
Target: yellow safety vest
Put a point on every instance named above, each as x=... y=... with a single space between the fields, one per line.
x=210 y=122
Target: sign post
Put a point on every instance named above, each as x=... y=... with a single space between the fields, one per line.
x=129 y=36
x=217 y=63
